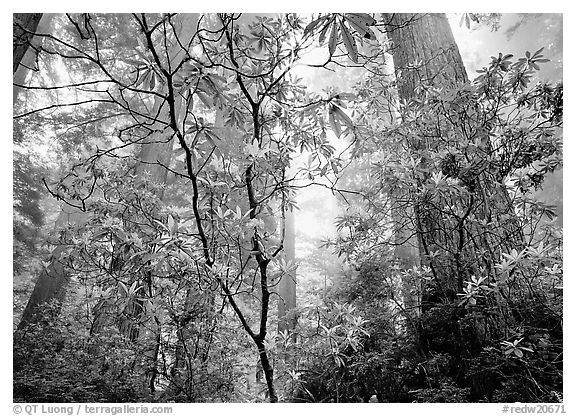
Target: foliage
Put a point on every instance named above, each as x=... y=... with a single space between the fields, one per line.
x=29 y=216
x=55 y=362
x=148 y=263
x=468 y=347
x=442 y=355
x=181 y=165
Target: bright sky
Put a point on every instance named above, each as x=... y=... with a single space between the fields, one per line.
x=478 y=44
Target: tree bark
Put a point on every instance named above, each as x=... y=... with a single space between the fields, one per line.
x=26 y=46
x=268 y=372
x=53 y=280
x=24 y=25
x=287 y=318
x=425 y=52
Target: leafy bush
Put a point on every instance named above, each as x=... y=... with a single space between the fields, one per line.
x=55 y=361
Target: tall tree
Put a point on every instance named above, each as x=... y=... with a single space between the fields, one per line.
x=153 y=159
x=50 y=283
x=424 y=52
x=454 y=245
x=24 y=26
x=26 y=46
x=287 y=287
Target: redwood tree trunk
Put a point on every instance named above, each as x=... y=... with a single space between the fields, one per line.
x=425 y=52
x=287 y=285
x=24 y=25
x=26 y=45
x=51 y=285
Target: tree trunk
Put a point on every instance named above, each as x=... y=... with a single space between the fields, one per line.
x=425 y=52
x=25 y=45
x=287 y=287
x=50 y=287
x=154 y=154
x=406 y=250
x=24 y=25
x=53 y=279
x=268 y=372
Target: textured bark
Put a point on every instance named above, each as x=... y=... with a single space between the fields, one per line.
x=26 y=46
x=53 y=280
x=287 y=318
x=425 y=52
x=24 y=25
